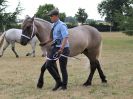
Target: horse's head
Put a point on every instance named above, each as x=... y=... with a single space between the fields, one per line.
x=28 y=30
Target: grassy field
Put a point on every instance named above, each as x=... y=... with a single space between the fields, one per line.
x=18 y=77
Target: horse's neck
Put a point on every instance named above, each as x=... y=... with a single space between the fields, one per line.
x=43 y=31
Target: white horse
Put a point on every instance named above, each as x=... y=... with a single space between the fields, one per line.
x=14 y=35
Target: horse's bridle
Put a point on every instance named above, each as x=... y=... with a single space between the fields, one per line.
x=33 y=30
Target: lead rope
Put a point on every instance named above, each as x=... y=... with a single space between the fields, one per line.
x=56 y=56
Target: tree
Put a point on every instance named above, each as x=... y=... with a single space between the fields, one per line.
x=62 y=16
x=109 y=9
x=91 y=22
x=71 y=22
x=2 y=5
x=81 y=15
x=8 y=19
x=126 y=20
x=43 y=11
x=2 y=9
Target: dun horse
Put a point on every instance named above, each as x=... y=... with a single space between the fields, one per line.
x=10 y=37
x=83 y=39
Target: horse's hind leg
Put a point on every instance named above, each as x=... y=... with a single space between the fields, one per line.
x=3 y=48
x=13 y=49
x=94 y=64
x=101 y=74
x=40 y=80
x=92 y=71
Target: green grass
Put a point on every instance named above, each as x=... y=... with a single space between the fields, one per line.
x=18 y=77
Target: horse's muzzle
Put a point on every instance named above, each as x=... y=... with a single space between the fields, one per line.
x=24 y=41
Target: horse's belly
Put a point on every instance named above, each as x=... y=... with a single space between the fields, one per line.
x=77 y=47
x=77 y=44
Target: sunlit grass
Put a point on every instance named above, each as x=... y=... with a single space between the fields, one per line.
x=18 y=77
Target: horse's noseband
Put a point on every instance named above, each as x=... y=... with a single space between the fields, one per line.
x=33 y=30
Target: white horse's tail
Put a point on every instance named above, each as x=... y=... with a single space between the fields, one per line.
x=2 y=39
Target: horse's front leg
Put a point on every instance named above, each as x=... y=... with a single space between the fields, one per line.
x=40 y=80
x=13 y=49
x=31 y=54
x=33 y=46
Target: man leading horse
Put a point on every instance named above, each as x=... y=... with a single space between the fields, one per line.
x=59 y=37
x=82 y=39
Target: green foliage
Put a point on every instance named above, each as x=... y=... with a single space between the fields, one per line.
x=62 y=16
x=8 y=19
x=128 y=32
x=81 y=15
x=2 y=5
x=71 y=25
x=109 y=9
x=71 y=21
x=126 y=20
x=90 y=22
x=43 y=11
x=102 y=27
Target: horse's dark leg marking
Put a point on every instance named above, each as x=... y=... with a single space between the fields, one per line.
x=92 y=71
x=4 y=48
x=40 y=80
x=94 y=63
x=13 y=49
x=101 y=74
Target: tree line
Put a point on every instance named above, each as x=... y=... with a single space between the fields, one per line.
x=8 y=19
x=118 y=13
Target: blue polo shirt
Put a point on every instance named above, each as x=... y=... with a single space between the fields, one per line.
x=60 y=32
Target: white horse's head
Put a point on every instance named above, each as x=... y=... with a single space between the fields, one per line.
x=29 y=30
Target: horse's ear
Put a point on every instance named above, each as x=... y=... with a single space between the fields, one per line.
x=33 y=18
x=27 y=16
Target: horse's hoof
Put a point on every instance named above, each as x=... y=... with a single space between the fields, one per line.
x=40 y=85
x=43 y=55
x=0 y=55
x=27 y=54
x=17 y=56
x=87 y=84
x=104 y=81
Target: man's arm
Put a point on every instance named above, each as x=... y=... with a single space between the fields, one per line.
x=63 y=44
x=64 y=32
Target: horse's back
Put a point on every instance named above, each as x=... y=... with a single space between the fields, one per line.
x=83 y=37
x=86 y=31
x=13 y=35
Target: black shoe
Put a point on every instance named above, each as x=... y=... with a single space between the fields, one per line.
x=58 y=85
x=64 y=87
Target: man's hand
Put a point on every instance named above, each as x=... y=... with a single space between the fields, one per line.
x=60 y=50
x=57 y=54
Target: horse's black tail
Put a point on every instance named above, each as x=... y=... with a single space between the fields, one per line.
x=2 y=39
